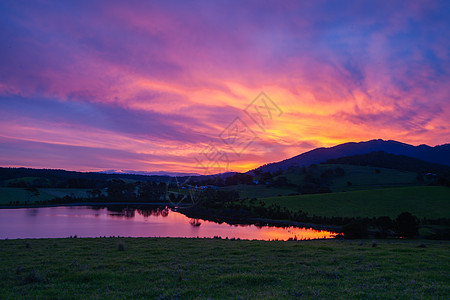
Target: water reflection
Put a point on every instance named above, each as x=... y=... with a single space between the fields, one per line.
x=48 y=222
x=130 y=212
x=121 y=211
x=195 y=222
x=33 y=212
x=163 y=212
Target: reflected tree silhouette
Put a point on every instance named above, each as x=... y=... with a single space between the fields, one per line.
x=195 y=222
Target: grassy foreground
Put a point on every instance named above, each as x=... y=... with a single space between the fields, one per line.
x=165 y=268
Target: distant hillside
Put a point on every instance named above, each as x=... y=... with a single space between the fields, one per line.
x=62 y=178
x=58 y=176
x=437 y=154
x=382 y=159
x=154 y=173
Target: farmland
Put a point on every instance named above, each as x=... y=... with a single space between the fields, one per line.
x=421 y=201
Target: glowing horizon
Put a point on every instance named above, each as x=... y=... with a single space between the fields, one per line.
x=148 y=86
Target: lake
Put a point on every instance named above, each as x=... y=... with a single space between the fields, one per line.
x=83 y=221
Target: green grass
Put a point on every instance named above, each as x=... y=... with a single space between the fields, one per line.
x=28 y=180
x=259 y=191
x=206 y=268
x=361 y=177
x=21 y=195
x=422 y=201
x=66 y=192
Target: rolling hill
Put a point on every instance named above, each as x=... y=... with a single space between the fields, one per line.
x=382 y=159
x=437 y=154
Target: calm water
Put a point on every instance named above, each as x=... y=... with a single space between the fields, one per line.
x=60 y=222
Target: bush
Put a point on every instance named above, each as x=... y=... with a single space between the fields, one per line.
x=407 y=225
x=121 y=246
x=357 y=229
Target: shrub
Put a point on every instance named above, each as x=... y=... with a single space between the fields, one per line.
x=121 y=246
x=357 y=229
x=407 y=225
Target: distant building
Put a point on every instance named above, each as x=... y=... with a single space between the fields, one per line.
x=204 y=187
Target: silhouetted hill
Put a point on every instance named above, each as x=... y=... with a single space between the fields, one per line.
x=438 y=154
x=154 y=173
x=63 y=178
x=57 y=177
x=382 y=159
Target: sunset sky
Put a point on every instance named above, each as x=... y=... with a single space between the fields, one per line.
x=163 y=85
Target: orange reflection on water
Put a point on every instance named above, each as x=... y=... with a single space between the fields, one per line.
x=203 y=228
x=286 y=233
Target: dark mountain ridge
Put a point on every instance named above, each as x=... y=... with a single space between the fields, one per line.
x=381 y=159
x=437 y=154
x=63 y=175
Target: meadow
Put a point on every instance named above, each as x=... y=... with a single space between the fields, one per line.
x=360 y=177
x=28 y=196
x=422 y=201
x=259 y=191
x=165 y=268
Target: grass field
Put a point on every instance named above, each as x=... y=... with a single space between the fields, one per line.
x=8 y=194
x=361 y=177
x=422 y=201
x=259 y=191
x=208 y=268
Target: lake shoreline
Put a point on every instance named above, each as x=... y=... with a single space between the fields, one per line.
x=184 y=209
x=195 y=214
